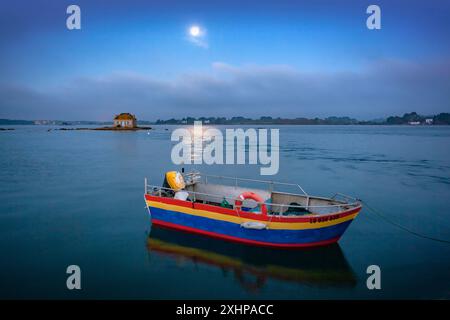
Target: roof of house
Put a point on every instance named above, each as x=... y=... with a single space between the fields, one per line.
x=125 y=116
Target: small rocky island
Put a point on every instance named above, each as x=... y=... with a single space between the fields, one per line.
x=122 y=122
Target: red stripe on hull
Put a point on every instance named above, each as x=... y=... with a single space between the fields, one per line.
x=240 y=240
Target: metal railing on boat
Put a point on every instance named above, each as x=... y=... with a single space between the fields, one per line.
x=236 y=179
x=193 y=195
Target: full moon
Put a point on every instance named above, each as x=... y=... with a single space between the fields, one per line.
x=194 y=31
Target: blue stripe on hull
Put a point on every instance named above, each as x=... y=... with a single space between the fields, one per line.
x=235 y=230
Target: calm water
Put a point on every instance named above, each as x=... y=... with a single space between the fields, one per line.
x=76 y=197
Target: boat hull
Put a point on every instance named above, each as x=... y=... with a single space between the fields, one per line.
x=226 y=224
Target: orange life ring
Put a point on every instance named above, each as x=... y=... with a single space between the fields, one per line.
x=253 y=196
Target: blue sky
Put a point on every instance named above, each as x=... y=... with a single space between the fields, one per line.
x=278 y=58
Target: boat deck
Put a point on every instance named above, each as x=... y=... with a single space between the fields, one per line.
x=201 y=190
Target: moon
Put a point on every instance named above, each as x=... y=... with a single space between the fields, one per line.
x=194 y=31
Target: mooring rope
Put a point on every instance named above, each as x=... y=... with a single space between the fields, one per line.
x=417 y=234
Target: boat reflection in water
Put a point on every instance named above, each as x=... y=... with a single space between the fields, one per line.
x=253 y=266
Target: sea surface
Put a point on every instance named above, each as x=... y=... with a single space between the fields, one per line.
x=76 y=198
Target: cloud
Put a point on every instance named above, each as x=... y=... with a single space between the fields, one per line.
x=198 y=42
x=382 y=88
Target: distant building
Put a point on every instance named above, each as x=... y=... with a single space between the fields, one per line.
x=125 y=120
x=414 y=123
x=429 y=121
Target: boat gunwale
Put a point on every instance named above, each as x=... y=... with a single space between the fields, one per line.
x=338 y=203
x=345 y=202
x=248 y=214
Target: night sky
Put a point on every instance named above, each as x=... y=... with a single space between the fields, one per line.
x=258 y=58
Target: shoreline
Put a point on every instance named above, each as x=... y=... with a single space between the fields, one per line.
x=105 y=129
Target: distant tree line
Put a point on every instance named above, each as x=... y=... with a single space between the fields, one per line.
x=407 y=118
x=261 y=120
x=413 y=117
x=15 y=122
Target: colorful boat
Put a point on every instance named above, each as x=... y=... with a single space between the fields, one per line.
x=263 y=217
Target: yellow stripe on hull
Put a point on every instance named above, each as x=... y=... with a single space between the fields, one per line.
x=239 y=220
